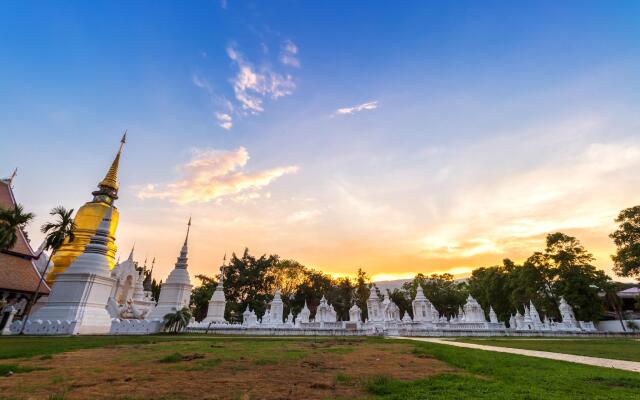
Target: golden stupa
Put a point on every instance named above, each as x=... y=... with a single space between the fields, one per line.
x=88 y=218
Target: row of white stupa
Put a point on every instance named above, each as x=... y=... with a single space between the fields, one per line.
x=88 y=298
x=384 y=316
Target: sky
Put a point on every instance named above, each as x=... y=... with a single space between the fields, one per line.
x=397 y=137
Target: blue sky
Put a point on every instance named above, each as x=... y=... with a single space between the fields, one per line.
x=397 y=137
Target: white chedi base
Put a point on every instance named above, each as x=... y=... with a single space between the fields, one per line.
x=80 y=299
x=175 y=294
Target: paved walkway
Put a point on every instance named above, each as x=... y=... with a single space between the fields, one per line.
x=598 y=362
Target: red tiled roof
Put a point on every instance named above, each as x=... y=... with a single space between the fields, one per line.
x=7 y=201
x=19 y=274
x=17 y=271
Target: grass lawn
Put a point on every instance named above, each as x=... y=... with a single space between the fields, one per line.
x=205 y=367
x=618 y=349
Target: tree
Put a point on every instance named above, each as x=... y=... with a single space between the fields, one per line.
x=361 y=292
x=55 y=235
x=402 y=299
x=491 y=288
x=177 y=321
x=249 y=283
x=155 y=290
x=12 y=219
x=315 y=285
x=340 y=296
x=442 y=290
x=627 y=239
x=576 y=279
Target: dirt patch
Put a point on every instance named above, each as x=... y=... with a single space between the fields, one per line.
x=317 y=374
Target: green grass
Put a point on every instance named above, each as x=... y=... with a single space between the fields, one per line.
x=172 y=358
x=618 y=349
x=29 y=346
x=479 y=374
x=489 y=375
x=16 y=369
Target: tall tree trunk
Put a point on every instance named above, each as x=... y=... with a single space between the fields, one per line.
x=35 y=295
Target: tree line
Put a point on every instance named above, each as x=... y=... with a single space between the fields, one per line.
x=564 y=268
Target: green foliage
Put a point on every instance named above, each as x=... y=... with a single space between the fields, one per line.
x=177 y=321
x=59 y=231
x=172 y=358
x=442 y=290
x=563 y=269
x=633 y=325
x=12 y=219
x=155 y=289
x=249 y=283
x=627 y=239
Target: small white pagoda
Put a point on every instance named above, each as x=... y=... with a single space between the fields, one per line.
x=175 y=292
x=215 y=312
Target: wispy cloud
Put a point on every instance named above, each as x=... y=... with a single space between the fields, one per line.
x=303 y=216
x=201 y=82
x=215 y=174
x=225 y=121
x=252 y=86
x=371 y=105
x=289 y=54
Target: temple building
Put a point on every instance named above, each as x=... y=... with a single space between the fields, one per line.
x=129 y=298
x=89 y=217
x=19 y=274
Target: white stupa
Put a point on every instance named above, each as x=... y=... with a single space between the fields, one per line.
x=215 y=312
x=355 y=314
x=422 y=307
x=175 y=292
x=80 y=294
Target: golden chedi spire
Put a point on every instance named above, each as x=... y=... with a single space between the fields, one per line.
x=88 y=219
x=111 y=179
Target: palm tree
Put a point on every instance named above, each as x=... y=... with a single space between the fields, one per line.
x=55 y=235
x=177 y=321
x=12 y=219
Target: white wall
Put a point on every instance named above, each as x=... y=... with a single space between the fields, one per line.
x=614 y=326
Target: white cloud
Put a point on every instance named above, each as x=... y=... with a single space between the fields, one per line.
x=371 y=105
x=201 y=82
x=251 y=86
x=213 y=175
x=302 y=216
x=289 y=54
x=225 y=121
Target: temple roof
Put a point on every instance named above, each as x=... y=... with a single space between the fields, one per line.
x=17 y=269
x=7 y=200
x=19 y=274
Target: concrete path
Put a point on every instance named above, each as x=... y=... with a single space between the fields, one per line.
x=595 y=361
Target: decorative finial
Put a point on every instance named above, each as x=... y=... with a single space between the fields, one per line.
x=111 y=178
x=13 y=175
x=153 y=262
x=131 y=253
x=186 y=239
